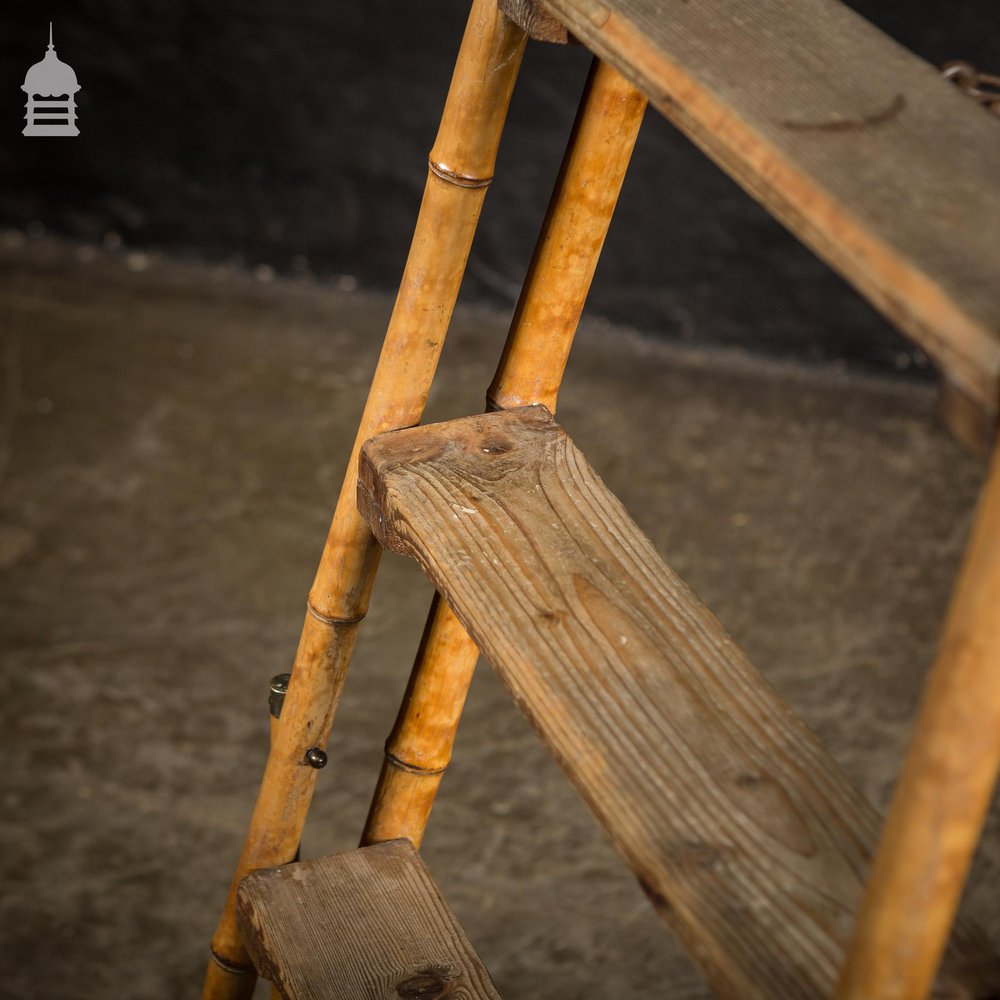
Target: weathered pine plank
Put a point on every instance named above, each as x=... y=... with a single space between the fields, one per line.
x=369 y=924
x=883 y=168
x=740 y=827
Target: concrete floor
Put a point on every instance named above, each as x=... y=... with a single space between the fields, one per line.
x=172 y=439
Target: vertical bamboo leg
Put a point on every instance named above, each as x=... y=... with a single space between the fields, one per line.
x=460 y=167
x=530 y=371
x=279 y=687
x=944 y=790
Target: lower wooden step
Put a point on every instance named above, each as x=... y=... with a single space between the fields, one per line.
x=369 y=924
x=741 y=828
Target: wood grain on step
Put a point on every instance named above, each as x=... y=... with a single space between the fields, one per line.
x=860 y=148
x=368 y=924
x=739 y=825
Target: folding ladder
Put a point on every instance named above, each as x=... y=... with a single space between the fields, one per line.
x=741 y=829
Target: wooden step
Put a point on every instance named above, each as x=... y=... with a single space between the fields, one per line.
x=369 y=924
x=741 y=828
x=860 y=148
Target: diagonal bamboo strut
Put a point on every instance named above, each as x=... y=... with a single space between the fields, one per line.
x=944 y=789
x=530 y=371
x=460 y=167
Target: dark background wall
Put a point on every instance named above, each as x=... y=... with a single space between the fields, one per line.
x=295 y=135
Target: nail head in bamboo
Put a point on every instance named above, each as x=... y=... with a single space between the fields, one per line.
x=465 y=148
x=530 y=370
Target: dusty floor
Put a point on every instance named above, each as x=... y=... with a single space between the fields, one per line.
x=172 y=441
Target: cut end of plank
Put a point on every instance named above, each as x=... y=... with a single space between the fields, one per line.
x=536 y=22
x=502 y=438
x=369 y=924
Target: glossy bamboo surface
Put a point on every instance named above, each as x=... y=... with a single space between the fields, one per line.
x=944 y=791
x=459 y=170
x=530 y=370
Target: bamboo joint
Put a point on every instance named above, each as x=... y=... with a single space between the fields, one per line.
x=454 y=177
x=331 y=620
x=403 y=765
x=231 y=967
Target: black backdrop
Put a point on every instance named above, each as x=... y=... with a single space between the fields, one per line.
x=295 y=134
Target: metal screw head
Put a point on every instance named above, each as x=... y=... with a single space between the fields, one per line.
x=316 y=758
x=279 y=686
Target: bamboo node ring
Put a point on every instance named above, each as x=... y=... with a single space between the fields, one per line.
x=328 y=620
x=453 y=177
x=402 y=765
x=231 y=967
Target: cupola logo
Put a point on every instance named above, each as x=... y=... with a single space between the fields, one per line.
x=51 y=88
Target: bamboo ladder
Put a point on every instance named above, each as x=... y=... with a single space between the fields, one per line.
x=940 y=803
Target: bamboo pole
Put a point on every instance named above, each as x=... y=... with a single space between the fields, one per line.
x=419 y=748
x=530 y=371
x=276 y=699
x=569 y=246
x=460 y=167
x=944 y=790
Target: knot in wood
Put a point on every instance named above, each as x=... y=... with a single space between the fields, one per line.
x=428 y=984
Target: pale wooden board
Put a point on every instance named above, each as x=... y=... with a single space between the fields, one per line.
x=369 y=924
x=886 y=170
x=740 y=827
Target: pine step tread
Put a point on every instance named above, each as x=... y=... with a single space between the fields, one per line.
x=859 y=147
x=368 y=924
x=740 y=827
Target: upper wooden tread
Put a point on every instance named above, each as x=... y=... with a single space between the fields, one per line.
x=884 y=168
x=741 y=828
x=368 y=924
